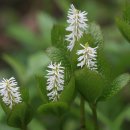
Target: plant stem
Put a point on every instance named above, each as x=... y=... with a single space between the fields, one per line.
x=61 y=126
x=24 y=128
x=60 y=123
x=82 y=112
x=94 y=107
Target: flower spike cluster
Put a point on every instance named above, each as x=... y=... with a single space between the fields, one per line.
x=55 y=80
x=10 y=92
x=87 y=56
x=77 y=25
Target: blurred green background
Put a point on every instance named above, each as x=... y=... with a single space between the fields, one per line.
x=25 y=33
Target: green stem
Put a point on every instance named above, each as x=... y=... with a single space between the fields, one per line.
x=82 y=112
x=61 y=123
x=61 y=126
x=94 y=110
x=25 y=128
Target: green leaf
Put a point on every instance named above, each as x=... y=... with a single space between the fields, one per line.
x=36 y=125
x=89 y=83
x=56 y=55
x=20 y=116
x=63 y=5
x=18 y=67
x=124 y=22
x=53 y=108
x=126 y=12
x=87 y=38
x=42 y=88
x=25 y=36
x=4 y=107
x=124 y=28
x=112 y=89
x=58 y=37
x=103 y=65
x=45 y=23
x=36 y=63
x=74 y=57
x=24 y=94
x=69 y=92
x=124 y=114
x=94 y=34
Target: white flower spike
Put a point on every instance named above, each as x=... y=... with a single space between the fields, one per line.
x=87 y=57
x=55 y=81
x=77 y=25
x=10 y=92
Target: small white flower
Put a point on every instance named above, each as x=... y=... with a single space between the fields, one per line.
x=10 y=92
x=55 y=81
x=77 y=25
x=87 y=57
